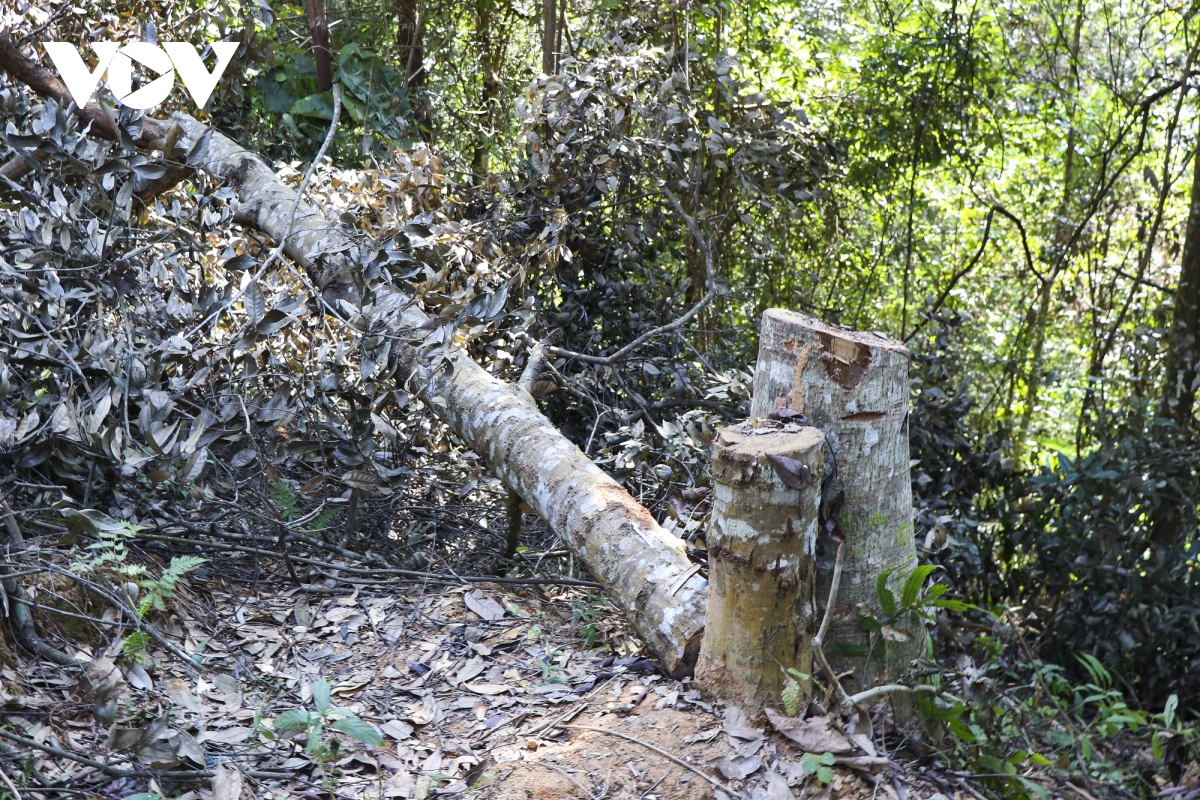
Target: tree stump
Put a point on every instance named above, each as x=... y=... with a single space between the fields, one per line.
x=854 y=387
x=761 y=545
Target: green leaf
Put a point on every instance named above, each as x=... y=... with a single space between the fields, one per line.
x=320 y=692
x=961 y=731
x=315 y=735
x=1100 y=675
x=887 y=600
x=358 y=730
x=317 y=106
x=321 y=523
x=852 y=650
x=868 y=623
x=282 y=495
x=828 y=759
x=294 y=720
x=1034 y=787
x=953 y=605
x=1156 y=747
x=912 y=587
x=1169 y=710
x=791 y=698
x=825 y=774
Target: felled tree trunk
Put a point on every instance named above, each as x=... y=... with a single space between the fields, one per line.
x=854 y=386
x=761 y=540
x=643 y=568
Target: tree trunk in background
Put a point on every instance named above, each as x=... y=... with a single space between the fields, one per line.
x=854 y=387
x=643 y=568
x=549 y=37
x=1063 y=228
x=410 y=44
x=761 y=540
x=1175 y=516
x=319 y=31
x=1183 y=342
x=490 y=47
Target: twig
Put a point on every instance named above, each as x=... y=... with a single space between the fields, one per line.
x=890 y=688
x=8 y=782
x=117 y=772
x=557 y=721
x=710 y=283
x=562 y=772
x=819 y=640
x=655 y=786
x=716 y=783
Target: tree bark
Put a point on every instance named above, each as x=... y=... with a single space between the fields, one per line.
x=318 y=29
x=761 y=538
x=549 y=37
x=1183 y=341
x=1175 y=516
x=643 y=568
x=854 y=387
x=490 y=40
x=410 y=42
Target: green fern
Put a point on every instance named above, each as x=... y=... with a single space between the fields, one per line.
x=159 y=591
x=134 y=647
x=321 y=523
x=284 y=499
x=110 y=550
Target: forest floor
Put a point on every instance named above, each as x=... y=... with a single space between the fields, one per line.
x=479 y=692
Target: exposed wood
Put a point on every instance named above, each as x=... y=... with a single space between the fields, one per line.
x=761 y=539
x=854 y=386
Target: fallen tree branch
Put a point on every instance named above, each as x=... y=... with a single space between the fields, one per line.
x=135 y=620
x=16 y=604
x=620 y=542
x=513 y=516
x=117 y=772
